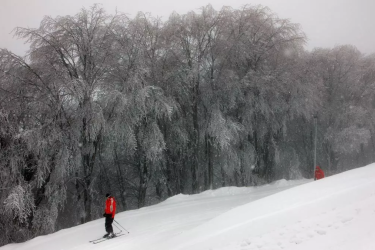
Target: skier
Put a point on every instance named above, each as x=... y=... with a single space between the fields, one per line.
x=319 y=174
x=109 y=214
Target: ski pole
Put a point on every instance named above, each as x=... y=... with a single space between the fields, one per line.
x=121 y=226
x=118 y=228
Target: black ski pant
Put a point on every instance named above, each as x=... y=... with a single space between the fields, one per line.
x=108 y=223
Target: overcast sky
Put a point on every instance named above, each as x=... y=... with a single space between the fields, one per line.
x=326 y=22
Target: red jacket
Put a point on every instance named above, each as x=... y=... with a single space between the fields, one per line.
x=319 y=174
x=110 y=206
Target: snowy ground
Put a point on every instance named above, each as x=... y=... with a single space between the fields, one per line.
x=336 y=213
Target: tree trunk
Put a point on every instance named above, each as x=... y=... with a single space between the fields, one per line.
x=87 y=201
x=142 y=183
x=142 y=189
x=195 y=165
x=170 y=173
x=121 y=180
x=223 y=177
x=210 y=166
x=242 y=168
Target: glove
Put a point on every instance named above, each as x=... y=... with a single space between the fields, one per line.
x=104 y=214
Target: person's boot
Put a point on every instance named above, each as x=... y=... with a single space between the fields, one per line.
x=106 y=235
x=111 y=235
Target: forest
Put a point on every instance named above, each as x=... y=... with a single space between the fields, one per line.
x=145 y=108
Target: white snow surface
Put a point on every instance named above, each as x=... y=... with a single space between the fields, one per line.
x=336 y=213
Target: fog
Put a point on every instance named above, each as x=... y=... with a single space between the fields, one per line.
x=326 y=22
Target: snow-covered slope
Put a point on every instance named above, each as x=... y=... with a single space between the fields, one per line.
x=335 y=213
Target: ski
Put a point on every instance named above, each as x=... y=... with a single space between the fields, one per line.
x=118 y=233
x=96 y=241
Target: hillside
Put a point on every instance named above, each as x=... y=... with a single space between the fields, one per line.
x=337 y=212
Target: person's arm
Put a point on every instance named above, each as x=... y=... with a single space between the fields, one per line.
x=105 y=208
x=114 y=209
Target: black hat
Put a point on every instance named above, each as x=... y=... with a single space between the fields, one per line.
x=107 y=195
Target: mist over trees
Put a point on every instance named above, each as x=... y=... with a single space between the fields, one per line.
x=146 y=109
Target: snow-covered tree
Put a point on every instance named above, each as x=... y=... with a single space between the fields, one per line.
x=342 y=117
